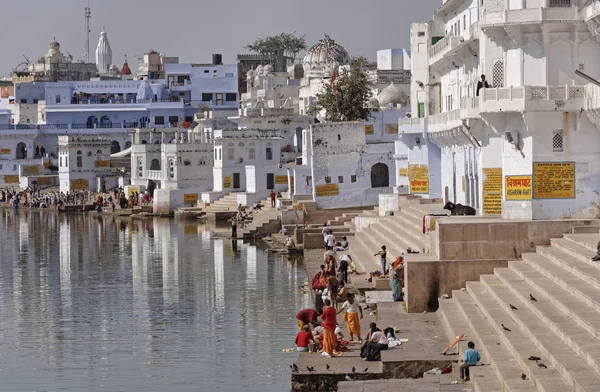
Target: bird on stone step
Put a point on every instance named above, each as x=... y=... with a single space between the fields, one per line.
x=295 y=368
x=504 y=328
x=523 y=376
x=348 y=378
x=353 y=370
x=534 y=358
x=310 y=368
x=327 y=366
x=513 y=307
x=366 y=370
x=541 y=364
x=531 y=297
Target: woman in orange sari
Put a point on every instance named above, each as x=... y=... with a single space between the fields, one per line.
x=351 y=310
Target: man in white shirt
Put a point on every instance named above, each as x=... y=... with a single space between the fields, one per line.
x=289 y=242
x=330 y=239
x=372 y=350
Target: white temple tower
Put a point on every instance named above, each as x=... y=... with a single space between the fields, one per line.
x=103 y=54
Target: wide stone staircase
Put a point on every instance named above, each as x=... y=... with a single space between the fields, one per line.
x=546 y=305
x=225 y=203
x=397 y=232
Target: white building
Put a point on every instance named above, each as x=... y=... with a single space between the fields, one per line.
x=103 y=54
x=527 y=147
x=84 y=164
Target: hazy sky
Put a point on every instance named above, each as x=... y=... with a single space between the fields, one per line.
x=194 y=29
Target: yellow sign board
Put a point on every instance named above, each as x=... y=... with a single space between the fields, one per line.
x=31 y=170
x=133 y=189
x=102 y=163
x=292 y=182
x=281 y=180
x=80 y=184
x=190 y=198
x=517 y=187
x=554 y=180
x=463 y=183
x=492 y=191
x=327 y=190
x=368 y=129
x=4 y=151
x=403 y=172
x=44 y=181
x=227 y=182
x=391 y=129
x=11 y=179
x=418 y=176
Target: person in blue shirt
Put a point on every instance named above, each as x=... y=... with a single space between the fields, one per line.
x=471 y=358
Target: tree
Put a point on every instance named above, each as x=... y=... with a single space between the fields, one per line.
x=348 y=97
x=278 y=46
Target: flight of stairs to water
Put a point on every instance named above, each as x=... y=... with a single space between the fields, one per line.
x=225 y=203
x=562 y=327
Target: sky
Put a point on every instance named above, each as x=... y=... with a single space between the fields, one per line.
x=195 y=29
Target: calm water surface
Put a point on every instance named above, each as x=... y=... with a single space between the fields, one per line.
x=93 y=304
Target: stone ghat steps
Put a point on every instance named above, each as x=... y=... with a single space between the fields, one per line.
x=429 y=383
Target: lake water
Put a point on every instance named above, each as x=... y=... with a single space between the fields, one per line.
x=106 y=304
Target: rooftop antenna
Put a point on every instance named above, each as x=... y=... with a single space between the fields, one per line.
x=88 y=16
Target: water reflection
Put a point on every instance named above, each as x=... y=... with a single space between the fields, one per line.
x=107 y=304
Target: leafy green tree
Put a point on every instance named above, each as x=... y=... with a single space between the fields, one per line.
x=279 y=46
x=348 y=97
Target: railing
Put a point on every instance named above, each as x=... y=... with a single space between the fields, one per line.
x=44 y=127
x=154 y=174
x=410 y=122
x=555 y=93
x=559 y=3
x=445 y=44
x=121 y=101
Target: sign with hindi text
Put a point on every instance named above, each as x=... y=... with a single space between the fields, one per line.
x=403 y=172
x=418 y=176
x=80 y=184
x=492 y=191
x=31 y=170
x=227 y=182
x=11 y=179
x=327 y=190
x=133 y=189
x=4 y=151
x=554 y=180
x=517 y=187
x=368 y=129
x=102 y=163
x=190 y=198
x=281 y=180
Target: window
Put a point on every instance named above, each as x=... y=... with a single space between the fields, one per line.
x=231 y=154
x=340 y=179
x=206 y=71
x=173 y=120
x=35 y=101
x=60 y=162
x=159 y=120
x=251 y=153
x=353 y=178
x=327 y=180
x=231 y=97
x=57 y=99
x=421 y=34
x=79 y=159
x=189 y=118
x=269 y=153
x=219 y=99
x=207 y=97
x=219 y=154
x=464 y=21
x=23 y=100
x=557 y=140
x=458 y=27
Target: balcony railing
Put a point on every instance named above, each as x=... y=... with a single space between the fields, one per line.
x=47 y=127
x=154 y=174
x=559 y=3
x=556 y=93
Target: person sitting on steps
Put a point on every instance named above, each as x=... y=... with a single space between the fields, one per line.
x=597 y=257
x=471 y=358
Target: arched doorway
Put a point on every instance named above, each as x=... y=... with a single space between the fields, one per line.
x=92 y=122
x=380 y=176
x=21 y=152
x=105 y=122
x=115 y=147
x=155 y=164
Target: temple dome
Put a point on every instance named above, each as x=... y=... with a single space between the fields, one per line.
x=394 y=95
x=325 y=56
x=125 y=70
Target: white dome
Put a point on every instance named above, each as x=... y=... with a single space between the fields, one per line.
x=326 y=55
x=393 y=94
